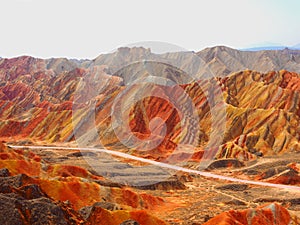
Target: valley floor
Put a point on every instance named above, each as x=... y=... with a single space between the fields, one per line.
x=179 y=198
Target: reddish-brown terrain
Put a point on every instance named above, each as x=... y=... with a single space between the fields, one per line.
x=59 y=102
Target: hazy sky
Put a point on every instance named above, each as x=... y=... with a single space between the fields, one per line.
x=86 y=28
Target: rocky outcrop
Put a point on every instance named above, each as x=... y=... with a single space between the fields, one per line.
x=100 y=215
x=23 y=203
x=225 y=163
x=288 y=175
x=33 y=191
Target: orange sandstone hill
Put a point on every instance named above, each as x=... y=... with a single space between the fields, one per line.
x=264 y=215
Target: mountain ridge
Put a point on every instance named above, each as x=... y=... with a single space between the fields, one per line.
x=219 y=60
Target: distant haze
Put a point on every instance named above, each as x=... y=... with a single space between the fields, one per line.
x=84 y=29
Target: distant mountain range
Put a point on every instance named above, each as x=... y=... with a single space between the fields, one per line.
x=219 y=61
x=296 y=46
x=271 y=47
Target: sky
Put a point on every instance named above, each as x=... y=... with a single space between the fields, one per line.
x=86 y=28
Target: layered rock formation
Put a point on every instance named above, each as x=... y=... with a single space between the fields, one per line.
x=152 y=109
x=41 y=103
x=262 y=112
